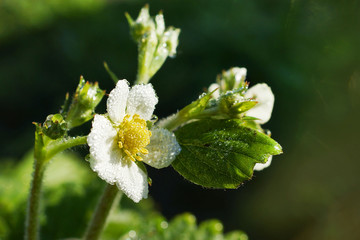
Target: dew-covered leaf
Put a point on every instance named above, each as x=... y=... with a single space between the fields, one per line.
x=221 y=153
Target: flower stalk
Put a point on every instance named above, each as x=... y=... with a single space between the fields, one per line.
x=108 y=199
x=32 y=216
x=44 y=150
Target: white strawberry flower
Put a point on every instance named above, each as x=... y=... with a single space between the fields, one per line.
x=265 y=97
x=120 y=138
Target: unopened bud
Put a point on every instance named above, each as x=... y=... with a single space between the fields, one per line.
x=143 y=24
x=84 y=101
x=171 y=39
x=155 y=42
x=234 y=78
x=54 y=126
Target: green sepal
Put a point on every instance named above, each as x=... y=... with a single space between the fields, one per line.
x=111 y=73
x=143 y=24
x=65 y=107
x=195 y=108
x=232 y=79
x=249 y=118
x=243 y=106
x=149 y=180
x=221 y=153
x=233 y=105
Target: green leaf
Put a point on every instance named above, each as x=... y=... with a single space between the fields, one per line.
x=221 y=153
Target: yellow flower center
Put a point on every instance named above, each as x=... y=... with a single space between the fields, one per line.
x=133 y=137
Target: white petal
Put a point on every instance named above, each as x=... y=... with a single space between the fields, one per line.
x=108 y=161
x=263 y=94
x=131 y=180
x=163 y=148
x=240 y=75
x=116 y=102
x=102 y=143
x=142 y=100
x=212 y=87
x=261 y=166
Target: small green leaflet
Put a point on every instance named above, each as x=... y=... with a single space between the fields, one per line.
x=196 y=107
x=221 y=153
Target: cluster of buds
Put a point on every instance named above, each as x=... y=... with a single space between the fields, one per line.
x=76 y=112
x=229 y=95
x=232 y=79
x=87 y=96
x=155 y=42
x=229 y=98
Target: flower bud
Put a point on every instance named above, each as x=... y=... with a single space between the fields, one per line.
x=84 y=101
x=143 y=24
x=155 y=42
x=166 y=47
x=54 y=126
x=171 y=40
x=234 y=78
x=160 y=24
x=147 y=48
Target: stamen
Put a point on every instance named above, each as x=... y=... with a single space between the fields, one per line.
x=133 y=137
x=144 y=151
x=138 y=158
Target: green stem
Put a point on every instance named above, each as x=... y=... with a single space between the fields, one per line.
x=42 y=154
x=176 y=120
x=172 y=122
x=63 y=144
x=32 y=217
x=142 y=77
x=101 y=213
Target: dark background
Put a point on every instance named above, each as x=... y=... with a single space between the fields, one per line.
x=308 y=51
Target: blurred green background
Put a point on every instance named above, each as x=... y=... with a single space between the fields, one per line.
x=308 y=51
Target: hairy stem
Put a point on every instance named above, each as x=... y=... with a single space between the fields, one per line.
x=33 y=209
x=43 y=152
x=63 y=144
x=101 y=213
x=173 y=121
